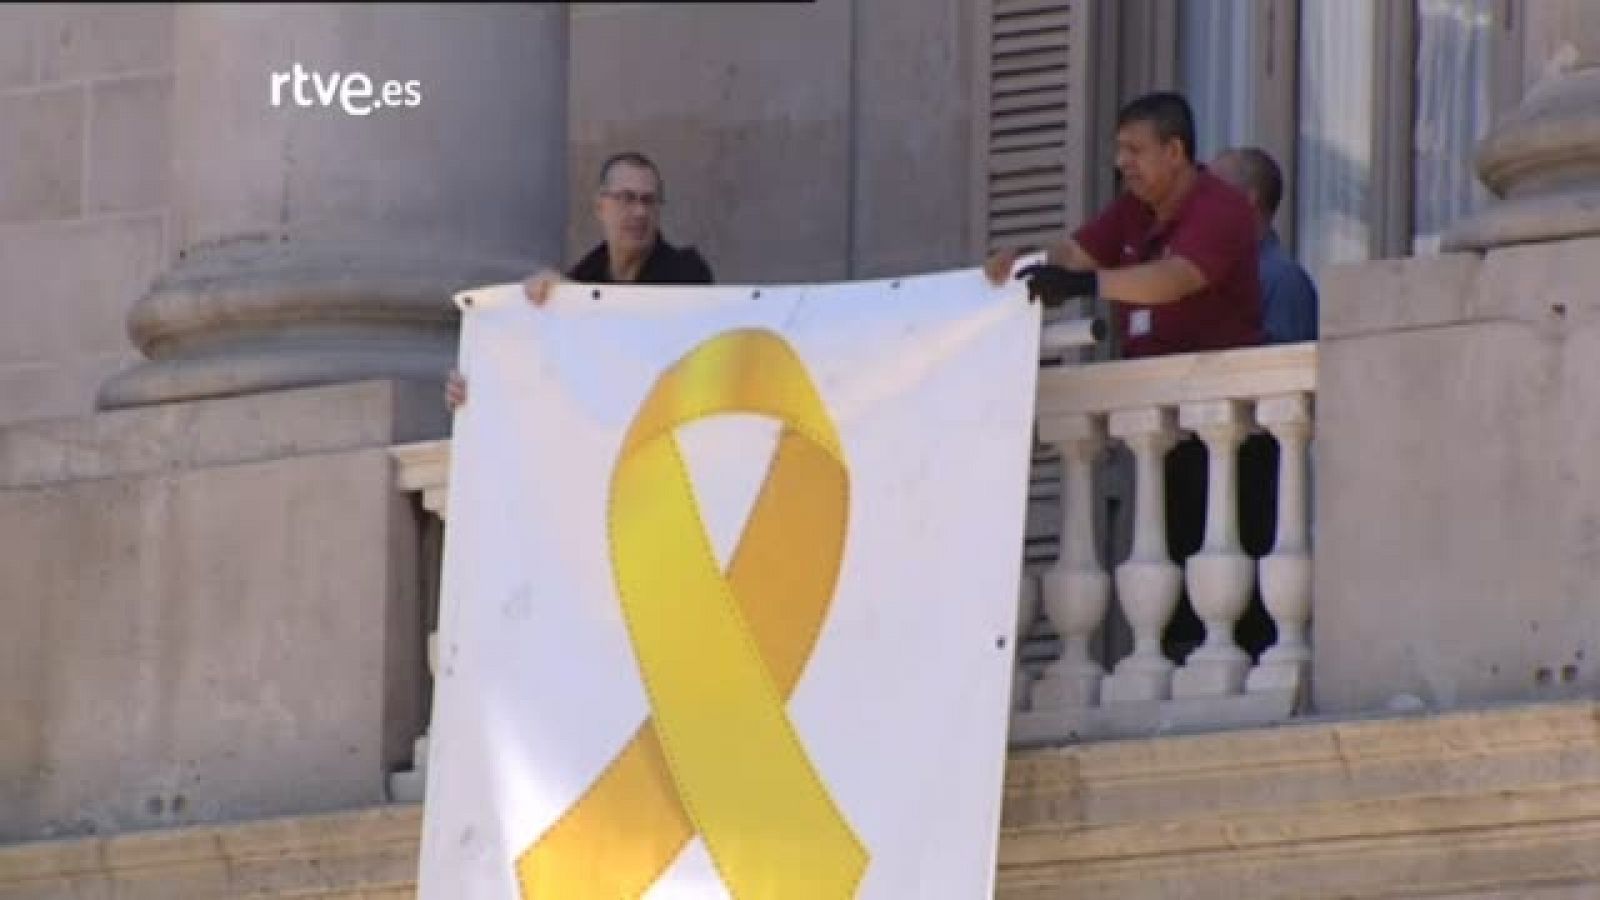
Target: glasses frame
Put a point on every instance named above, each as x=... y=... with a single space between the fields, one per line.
x=631 y=198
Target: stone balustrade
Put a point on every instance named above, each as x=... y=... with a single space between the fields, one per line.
x=422 y=468
x=1108 y=675
x=1146 y=405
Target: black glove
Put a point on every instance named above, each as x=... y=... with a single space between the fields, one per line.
x=1054 y=284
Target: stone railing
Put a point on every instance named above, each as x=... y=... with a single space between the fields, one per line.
x=1146 y=405
x=424 y=469
x=1108 y=675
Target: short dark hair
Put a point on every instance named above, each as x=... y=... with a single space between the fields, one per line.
x=1168 y=112
x=632 y=158
x=1261 y=173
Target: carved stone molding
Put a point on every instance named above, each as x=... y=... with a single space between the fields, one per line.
x=1543 y=162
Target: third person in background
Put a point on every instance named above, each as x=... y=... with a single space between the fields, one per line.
x=1288 y=297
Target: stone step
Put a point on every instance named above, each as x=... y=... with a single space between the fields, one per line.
x=1492 y=803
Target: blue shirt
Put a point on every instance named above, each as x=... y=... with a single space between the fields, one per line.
x=1288 y=298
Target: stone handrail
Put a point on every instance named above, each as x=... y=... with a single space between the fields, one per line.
x=1149 y=406
x=424 y=468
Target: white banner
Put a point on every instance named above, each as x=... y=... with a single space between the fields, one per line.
x=729 y=591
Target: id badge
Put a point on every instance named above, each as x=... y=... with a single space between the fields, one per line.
x=1139 y=323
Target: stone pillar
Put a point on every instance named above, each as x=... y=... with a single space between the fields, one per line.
x=215 y=602
x=1542 y=160
x=1457 y=510
x=321 y=244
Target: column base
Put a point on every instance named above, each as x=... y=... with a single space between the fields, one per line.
x=261 y=316
x=1538 y=159
x=271 y=368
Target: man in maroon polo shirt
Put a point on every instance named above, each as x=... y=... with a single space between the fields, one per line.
x=1176 y=251
x=1177 y=254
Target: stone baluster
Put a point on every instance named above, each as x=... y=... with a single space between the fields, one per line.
x=1286 y=572
x=1027 y=614
x=1220 y=575
x=1076 y=589
x=1148 y=582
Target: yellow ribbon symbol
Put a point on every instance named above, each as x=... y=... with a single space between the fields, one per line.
x=719 y=654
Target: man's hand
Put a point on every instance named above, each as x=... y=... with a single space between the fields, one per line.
x=1054 y=284
x=455 y=390
x=997 y=268
x=538 y=285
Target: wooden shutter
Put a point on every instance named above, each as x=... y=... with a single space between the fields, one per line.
x=1031 y=143
x=1031 y=147
x=1033 y=120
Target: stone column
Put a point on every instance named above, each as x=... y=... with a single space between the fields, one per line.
x=1558 y=34
x=1540 y=160
x=321 y=244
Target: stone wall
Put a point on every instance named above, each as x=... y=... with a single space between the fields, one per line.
x=811 y=142
x=1458 y=518
x=800 y=143
x=212 y=609
x=85 y=97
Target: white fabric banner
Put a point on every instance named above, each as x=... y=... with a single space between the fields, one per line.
x=573 y=644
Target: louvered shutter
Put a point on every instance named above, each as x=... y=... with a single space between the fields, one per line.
x=1034 y=127
x=1036 y=123
x=1033 y=141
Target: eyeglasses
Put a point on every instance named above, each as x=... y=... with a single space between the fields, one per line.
x=629 y=198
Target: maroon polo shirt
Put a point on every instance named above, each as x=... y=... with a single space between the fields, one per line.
x=1214 y=229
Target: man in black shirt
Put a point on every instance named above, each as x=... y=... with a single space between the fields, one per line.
x=628 y=207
